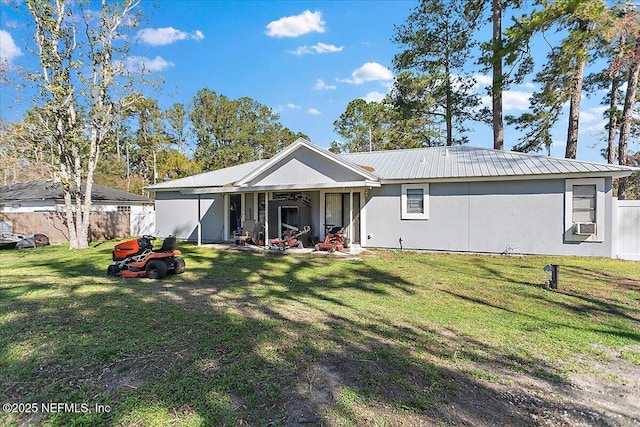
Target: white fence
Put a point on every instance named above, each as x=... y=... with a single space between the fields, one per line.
x=143 y=220
x=628 y=229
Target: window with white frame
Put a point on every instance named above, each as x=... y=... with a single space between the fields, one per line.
x=584 y=210
x=415 y=201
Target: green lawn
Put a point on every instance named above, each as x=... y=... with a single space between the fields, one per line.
x=246 y=338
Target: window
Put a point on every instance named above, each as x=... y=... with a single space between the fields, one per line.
x=415 y=201
x=584 y=206
x=584 y=203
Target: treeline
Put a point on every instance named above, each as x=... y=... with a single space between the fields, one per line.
x=150 y=145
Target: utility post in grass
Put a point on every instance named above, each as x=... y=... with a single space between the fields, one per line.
x=83 y=84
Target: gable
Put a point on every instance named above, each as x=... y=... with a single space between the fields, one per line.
x=304 y=166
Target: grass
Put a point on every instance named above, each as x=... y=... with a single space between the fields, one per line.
x=251 y=339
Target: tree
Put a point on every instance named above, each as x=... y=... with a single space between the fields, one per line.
x=546 y=108
x=438 y=40
x=177 y=118
x=23 y=157
x=497 y=79
x=79 y=76
x=564 y=72
x=627 y=115
x=620 y=46
x=229 y=132
x=374 y=126
x=150 y=137
x=496 y=54
x=172 y=164
x=361 y=125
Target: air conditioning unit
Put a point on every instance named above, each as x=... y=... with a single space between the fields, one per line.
x=584 y=228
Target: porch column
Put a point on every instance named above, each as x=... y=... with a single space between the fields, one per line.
x=225 y=228
x=243 y=209
x=266 y=219
x=351 y=221
x=199 y=223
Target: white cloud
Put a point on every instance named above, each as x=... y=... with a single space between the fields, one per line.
x=314 y=111
x=374 y=96
x=515 y=100
x=142 y=64
x=321 y=85
x=588 y=117
x=511 y=100
x=293 y=106
x=317 y=48
x=8 y=49
x=294 y=26
x=371 y=71
x=597 y=127
x=165 y=36
x=483 y=79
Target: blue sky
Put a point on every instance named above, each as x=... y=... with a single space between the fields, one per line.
x=305 y=59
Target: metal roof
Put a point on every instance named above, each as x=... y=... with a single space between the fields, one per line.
x=50 y=190
x=471 y=162
x=457 y=162
x=217 y=178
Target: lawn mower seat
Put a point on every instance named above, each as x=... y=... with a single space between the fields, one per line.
x=169 y=245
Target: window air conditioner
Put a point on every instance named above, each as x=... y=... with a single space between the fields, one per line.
x=584 y=228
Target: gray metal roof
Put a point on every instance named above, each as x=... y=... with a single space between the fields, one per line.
x=49 y=190
x=470 y=162
x=456 y=162
x=217 y=178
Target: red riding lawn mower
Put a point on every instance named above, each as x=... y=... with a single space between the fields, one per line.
x=334 y=239
x=136 y=258
x=290 y=239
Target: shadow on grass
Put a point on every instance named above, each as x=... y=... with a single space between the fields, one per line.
x=245 y=338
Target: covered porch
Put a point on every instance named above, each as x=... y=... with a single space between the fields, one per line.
x=269 y=214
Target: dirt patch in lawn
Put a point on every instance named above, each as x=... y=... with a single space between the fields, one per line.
x=605 y=393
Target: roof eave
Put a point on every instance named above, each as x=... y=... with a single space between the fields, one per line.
x=612 y=174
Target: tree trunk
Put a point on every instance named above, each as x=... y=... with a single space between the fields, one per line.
x=448 y=114
x=496 y=92
x=574 y=111
x=613 y=120
x=576 y=97
x=627 y=117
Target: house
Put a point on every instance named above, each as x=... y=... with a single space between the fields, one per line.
x=460 y=198
x=38 y=207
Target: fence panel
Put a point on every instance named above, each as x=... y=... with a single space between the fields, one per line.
x=629 y=229
x=104 y=225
